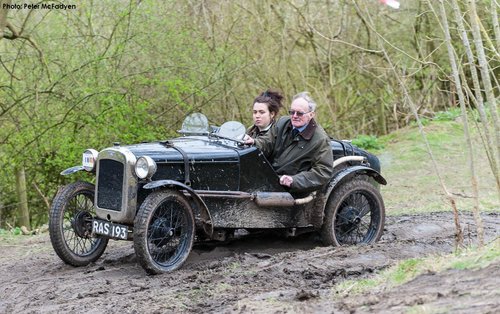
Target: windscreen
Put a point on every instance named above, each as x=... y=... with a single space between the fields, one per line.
x=233 y=130
x=195 y=123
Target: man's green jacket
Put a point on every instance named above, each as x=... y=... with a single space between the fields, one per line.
x=307 y=157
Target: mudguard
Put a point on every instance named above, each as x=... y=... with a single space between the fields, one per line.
x=71 y=170
x=206 y=218
x=350 y=172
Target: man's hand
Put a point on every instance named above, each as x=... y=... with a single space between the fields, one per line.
x=248 y=140
x=286 y=180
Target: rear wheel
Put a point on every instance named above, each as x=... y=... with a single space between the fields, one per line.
x=163 y=231
x=70 y=225
x=354 y=214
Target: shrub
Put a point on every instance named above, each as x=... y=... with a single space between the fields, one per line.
x=368 y=142
x=449 y=115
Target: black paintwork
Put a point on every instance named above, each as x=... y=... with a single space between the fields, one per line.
x=345 y=148
x=203 y=187
x=212 y=166
x=220 y=166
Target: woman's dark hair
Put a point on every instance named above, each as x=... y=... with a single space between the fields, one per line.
x=272 y=98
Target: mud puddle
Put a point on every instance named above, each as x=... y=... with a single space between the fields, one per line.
x=254 y=274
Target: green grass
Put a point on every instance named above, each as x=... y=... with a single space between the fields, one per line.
x=413 y=184
x=405 y=271
x=476 y=259
x=449 y=115
x=4 y=233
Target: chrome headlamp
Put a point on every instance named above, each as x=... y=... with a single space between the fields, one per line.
x=145 y=167
x=88 y=159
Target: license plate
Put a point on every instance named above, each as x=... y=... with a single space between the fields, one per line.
x=109 y=229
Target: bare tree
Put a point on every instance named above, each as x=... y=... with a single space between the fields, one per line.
x=3 y=16
x=485 y=71
x=409 y=101
x=477 y=97
x=461 y=97
x=496 y=27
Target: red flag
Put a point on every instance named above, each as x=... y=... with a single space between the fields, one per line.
x=392 y=3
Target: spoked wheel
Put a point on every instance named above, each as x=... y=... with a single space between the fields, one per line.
x=354 y=214
x=70 y=225
x=163 y=231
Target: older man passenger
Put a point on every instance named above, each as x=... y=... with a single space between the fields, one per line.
x=298 y=148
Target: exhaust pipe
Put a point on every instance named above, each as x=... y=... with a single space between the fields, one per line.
x=280 y=199
x=348 y=158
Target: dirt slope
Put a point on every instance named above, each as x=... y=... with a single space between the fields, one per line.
x=255 y=274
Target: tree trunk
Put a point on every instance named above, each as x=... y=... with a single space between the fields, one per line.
x=461 y=99
x=23 y=214
x=382 y=122
x=3 y=16
x=496 y=26
x=489 y=147
x=485 y=74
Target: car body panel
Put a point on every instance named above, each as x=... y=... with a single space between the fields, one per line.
x=206 y=185
x=225 y=176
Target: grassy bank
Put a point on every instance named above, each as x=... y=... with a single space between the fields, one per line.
x=407 y=270
x=413 y=185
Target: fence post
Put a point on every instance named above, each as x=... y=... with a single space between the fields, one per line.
x=23 y=214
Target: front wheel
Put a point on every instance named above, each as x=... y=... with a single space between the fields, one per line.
x=70 y=225
x=354 y=214
x=163 y=231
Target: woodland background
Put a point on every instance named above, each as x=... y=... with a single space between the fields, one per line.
x=129 y=71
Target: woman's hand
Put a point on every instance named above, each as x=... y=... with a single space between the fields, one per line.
x=248 y=140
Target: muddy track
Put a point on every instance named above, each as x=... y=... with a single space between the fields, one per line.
x=256 y=273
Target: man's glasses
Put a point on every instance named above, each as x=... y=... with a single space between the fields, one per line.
x=298 y=113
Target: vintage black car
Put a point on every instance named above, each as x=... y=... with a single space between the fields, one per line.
x=203 y=186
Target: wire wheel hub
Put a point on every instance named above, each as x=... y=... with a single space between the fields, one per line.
x=162 y=232
x=82 y=224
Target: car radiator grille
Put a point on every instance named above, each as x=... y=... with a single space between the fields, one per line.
x=110 y=184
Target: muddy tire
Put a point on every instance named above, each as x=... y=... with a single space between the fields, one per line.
x=354 y=214
x=163 y=231
x=70 y=225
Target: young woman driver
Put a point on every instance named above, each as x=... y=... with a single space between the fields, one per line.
x=266 y=107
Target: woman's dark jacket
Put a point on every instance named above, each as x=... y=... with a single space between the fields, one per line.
x=255 y=132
